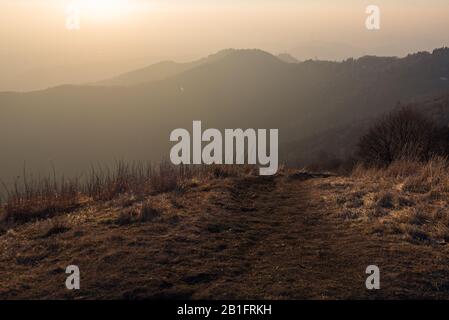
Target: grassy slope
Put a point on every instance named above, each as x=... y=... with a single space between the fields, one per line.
x=245 y=237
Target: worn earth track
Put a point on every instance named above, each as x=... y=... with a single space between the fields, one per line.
x=241 y=238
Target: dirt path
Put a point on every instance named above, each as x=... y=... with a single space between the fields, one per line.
x=305 y=250
x=272 y=238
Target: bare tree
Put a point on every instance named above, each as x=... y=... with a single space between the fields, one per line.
x=402 y=134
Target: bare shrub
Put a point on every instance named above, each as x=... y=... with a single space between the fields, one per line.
x=404 y=134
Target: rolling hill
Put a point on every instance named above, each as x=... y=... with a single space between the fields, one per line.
x=132 y=115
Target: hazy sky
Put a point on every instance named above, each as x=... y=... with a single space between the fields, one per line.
x=118 y=35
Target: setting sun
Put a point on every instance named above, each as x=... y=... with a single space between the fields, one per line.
x=102 y=10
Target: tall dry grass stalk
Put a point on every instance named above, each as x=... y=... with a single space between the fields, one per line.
x=41 y=197
x=31 y=199
x=416 y=176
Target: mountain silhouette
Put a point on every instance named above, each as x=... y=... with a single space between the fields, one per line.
x=160 y=71
x=287 y=58
x=131 y=116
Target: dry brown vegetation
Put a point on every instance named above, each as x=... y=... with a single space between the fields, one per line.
x=407 y=198
x=31 y=199
x=227 y=233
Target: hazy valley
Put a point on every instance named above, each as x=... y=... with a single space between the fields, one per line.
x=130 y=117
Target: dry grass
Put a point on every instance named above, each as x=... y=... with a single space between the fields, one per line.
x=143 y=213
x=51 y=227
x=33 y=199
x=407 y=198
x=225 y=237
x=36 y=199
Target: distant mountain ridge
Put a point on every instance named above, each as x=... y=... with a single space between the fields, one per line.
x=132 y=117
x=162 y=70
x=166 y=69
x=286 y=57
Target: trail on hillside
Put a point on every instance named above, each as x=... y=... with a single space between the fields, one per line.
x=240 y=238
x=307 y=251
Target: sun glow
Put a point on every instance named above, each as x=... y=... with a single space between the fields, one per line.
x=102 y=10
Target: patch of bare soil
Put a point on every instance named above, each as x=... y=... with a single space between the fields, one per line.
x=281 y=237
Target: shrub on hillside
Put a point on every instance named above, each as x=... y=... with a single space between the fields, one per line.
x=404 y=134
